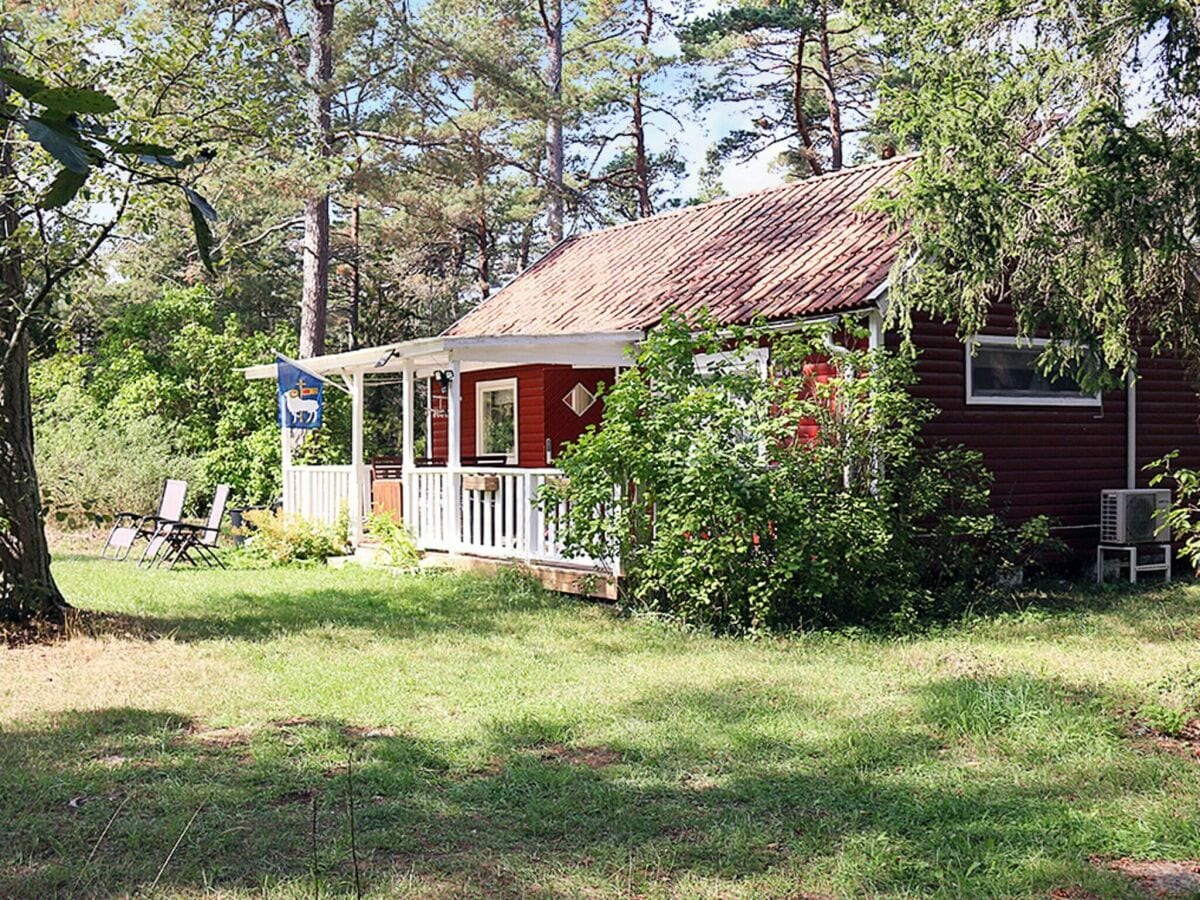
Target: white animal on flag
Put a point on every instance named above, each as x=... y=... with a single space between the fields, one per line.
x=299 y=409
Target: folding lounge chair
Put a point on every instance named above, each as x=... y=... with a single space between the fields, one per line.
x=128 y=528
x=194 y=543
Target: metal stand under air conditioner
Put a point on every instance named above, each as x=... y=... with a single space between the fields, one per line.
x=1160 y=562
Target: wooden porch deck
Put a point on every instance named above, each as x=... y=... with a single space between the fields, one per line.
x=561 y=577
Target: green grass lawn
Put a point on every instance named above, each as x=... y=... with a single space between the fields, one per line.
x=501 y=741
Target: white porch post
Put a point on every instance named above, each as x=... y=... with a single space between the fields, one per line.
x=453 y=517
x=408 y=482
x=875 y=336
x=429 y=418
x=1131 y=467
x=285 y=457
x=358 y=471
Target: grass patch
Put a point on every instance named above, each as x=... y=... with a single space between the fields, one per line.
x=501 y=741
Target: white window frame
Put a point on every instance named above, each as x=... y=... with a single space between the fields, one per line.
x=742 y=359
x=484 y=387
x=1000 y=340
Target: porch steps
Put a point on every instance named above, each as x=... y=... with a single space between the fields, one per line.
x=365 y=554
x=371 y=554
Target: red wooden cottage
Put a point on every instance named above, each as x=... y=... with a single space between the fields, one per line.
x=514 y=380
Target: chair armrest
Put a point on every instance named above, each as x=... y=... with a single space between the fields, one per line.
x=191 y=528
x=155 y=524
x=183 y=531
x=160 y=520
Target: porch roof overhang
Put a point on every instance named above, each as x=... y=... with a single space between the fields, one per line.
x=428 y=355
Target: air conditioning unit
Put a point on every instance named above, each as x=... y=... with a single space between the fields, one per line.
x=1134 y=516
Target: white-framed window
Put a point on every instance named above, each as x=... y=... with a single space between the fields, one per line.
x=1003 y=371
x=496 y=418
x=741 y=360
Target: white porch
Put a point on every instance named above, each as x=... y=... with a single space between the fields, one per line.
x=487 y=512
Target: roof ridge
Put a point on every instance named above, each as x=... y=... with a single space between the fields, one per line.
x=680 y=210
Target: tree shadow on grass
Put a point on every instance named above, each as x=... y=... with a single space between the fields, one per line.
x=1148 y=614
x=407 y=607
x=955 y=799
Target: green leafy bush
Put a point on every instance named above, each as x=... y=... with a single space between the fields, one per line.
x=282 y=538
x=1181 y=688
x=1183 y=517
x=1177 y=703
x=808 y=498
x=92 y=464
x=160 y=394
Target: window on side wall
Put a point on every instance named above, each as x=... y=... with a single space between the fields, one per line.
x=1003 y=371
x=741 y=361
x=496 y=419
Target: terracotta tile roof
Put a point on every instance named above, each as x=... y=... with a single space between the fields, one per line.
x=799 y=249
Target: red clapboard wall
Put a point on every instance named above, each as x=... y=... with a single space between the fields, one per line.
x=562 y=424
x=1168 y=414
x=1050 y=460
x=541 y=412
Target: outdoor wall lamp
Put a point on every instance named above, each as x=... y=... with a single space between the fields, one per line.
x=443 y=378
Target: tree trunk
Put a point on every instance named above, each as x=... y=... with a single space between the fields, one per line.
x=525 y=247
x=485 y=258
x=355 y=270
x=314 y=300
x=552 y=18
x=808 y=150
x=27 y=589
x=831 y=97
x=484 y=233
x=641 y=162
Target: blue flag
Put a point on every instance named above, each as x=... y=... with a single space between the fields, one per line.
x=301 y=395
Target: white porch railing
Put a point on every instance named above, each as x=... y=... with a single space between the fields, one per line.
x=447 y=513
x=320 y=492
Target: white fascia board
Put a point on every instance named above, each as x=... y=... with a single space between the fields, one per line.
x=879 y=295
x=363 y=359
x=599 y=349
x=602 y=349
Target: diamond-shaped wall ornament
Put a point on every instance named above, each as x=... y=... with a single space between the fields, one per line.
x=579 y=399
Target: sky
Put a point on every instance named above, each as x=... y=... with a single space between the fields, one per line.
x=702 y=130
x=699 y=134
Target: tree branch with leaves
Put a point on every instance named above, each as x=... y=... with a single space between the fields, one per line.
x=58 y=141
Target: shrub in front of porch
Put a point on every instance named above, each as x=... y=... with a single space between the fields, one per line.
x=803 y=499
x=282 y=538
